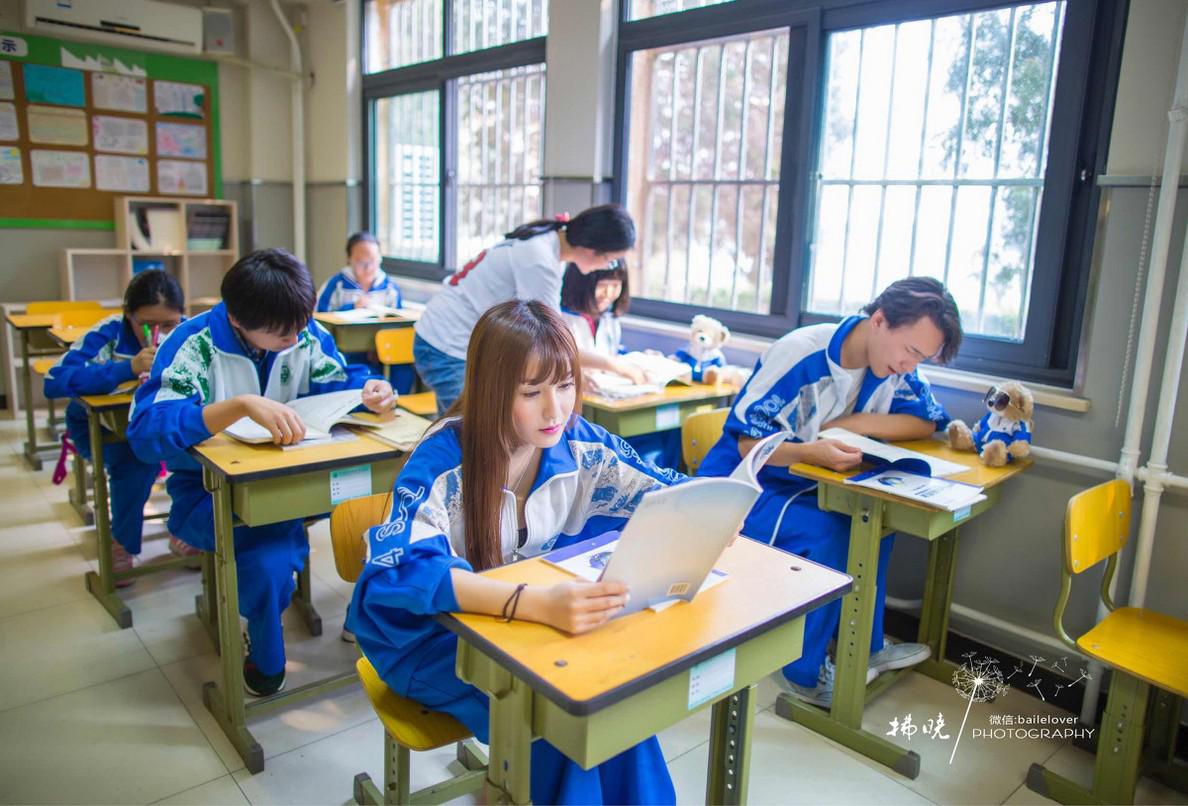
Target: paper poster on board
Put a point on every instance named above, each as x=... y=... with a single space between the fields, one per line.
x=122 y=135
x=60 y=169
x=7 y=91
x=181 y=177
x=10 y=129
x=119 y=93
x=181 y=140
x=125 y=174
x=182 y=100
x=55 y=125
x=10 y=166
x=54 y=85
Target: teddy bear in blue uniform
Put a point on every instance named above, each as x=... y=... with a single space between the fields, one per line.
x=1004 y=432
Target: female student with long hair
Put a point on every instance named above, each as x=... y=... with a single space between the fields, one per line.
x=113 y=352
x=527 y=264
x=512 y=471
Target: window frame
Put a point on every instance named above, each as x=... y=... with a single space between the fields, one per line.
x=1082 y=116
x=440 y=75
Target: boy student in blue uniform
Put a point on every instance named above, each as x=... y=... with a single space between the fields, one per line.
x=528 y=264
x=245 y=357
x=361 y=283
x=512 y=471
x=117 y=350
x=859 y=374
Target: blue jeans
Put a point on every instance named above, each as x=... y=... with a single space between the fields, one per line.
x=442 y=373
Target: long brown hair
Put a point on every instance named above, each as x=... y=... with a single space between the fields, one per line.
x=506 y=341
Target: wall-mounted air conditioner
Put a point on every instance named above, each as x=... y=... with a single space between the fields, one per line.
x=137 y=24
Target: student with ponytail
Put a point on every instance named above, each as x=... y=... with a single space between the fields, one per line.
x=512 y=471
x=528 y=265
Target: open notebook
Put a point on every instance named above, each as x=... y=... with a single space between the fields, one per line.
x=320 y=413
x=367 y=314
x=661 y=371
x=669 y=546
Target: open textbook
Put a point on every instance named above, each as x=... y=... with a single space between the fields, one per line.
x=669 y=546
x=320 y=413
x=881 y=453
x=660 y=372
x=367 y=314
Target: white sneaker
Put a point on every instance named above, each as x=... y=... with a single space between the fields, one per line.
x=897 y=656
x=347 y=635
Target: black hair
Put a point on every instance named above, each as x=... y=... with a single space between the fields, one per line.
x=577 y=290
x=153 y=287
x=269 y=290
x=605 y=228
x=360 y=237
x=905 y=301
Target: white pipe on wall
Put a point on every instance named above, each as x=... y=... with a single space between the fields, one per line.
x=297 y=124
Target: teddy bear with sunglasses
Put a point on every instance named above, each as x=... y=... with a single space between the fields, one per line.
x=1004 y=432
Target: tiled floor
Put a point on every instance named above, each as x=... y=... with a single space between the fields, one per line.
x=90 y=713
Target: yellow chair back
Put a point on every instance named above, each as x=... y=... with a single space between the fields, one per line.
x=349 y=523
x=1096 y=525
x=698 y=434
x=394 y=346
x=83 y=317
x=58 y=305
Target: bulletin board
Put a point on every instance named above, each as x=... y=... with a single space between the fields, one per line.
x=82 y=123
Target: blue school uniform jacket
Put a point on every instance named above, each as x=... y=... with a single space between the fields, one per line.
x=204 y=361
x=95 y=364
x=799 y=385
x=340 y=292
x=588 y=483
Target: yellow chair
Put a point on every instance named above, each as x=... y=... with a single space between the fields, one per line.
x=699 y=432
x=58 y=305
x=408 y=725
x=394 y=348
x=82 y=317
x=1143 y=649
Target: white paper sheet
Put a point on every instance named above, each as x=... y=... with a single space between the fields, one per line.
x=181 y=177
x=181 y=140
x=121 y=93
x=171 y=98
x=57 y=126
x=10 y=166
x=10 y=128
x=60 y=169
x=121 y=173
x=121 y=135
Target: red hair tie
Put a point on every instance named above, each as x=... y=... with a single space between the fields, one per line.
x=562 y=217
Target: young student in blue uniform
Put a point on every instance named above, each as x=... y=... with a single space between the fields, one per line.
x=361 y=283
x=860 y=374
x=117 y=350
x=536 y=476
x=591 y=305
x=245 y=357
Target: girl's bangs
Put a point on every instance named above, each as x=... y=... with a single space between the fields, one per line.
x=553 y=357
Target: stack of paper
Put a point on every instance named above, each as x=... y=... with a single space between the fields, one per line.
x=403 y=431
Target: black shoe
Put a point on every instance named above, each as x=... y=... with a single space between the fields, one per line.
x=259 y=684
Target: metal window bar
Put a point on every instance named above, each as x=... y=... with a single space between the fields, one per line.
x=841 y=293
x=719 y=132
x=773 y=80
x=923 y=137
x=973 y=40
x=1002 y=102
x=874 y=279
x=744 y=113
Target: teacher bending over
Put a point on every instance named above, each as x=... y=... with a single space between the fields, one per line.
x=528 y=264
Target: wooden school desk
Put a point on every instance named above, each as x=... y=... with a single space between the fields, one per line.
x=595 y=695
x=657 y=412
x=354 y=336
x=65 y=337
x=32 y=329
x=107 y=421
x=259 y=485
x=875 y=514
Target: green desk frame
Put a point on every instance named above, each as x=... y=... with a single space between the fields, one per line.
x=258 y=499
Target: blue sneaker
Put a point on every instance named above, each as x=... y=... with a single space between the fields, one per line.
x=896 y=656
x=820 y=695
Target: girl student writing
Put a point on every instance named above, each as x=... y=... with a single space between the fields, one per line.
x=116 y=350
x=511 y=471
x=527 y=264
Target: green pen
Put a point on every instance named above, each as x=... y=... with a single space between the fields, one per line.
x=148 y=338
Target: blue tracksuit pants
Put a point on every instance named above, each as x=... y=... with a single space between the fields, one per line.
x=266 y=558
x=801 y=528
x=130 y=483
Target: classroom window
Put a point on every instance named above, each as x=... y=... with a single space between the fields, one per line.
x=707 y=121
x=933 y=152
x=785 y=161
x=407 y=190
x=500 y=120
x=455 y=94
